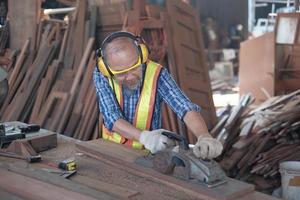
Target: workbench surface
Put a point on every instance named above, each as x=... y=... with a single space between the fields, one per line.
x=104 y=178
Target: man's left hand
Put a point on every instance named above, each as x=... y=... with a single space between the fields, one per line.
x=207 y=147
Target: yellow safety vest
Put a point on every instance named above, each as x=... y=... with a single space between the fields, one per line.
x=144 y=109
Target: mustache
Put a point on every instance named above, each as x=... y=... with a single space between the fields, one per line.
x=132 y=85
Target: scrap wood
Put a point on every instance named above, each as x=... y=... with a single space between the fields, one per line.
x=267 y=135
x=231 y=129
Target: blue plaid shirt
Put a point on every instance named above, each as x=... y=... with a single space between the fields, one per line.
x=167 y=90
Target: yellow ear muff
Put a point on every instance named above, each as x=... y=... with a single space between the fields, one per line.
x=102 y=68
x=145 y=52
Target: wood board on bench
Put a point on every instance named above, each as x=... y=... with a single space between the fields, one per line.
x=121 y=156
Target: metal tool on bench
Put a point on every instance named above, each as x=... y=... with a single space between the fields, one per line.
x=67 y=164
x=9 y=133
x=13 y=146
x=206 y=172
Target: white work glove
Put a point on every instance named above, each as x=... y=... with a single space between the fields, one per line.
x=207 y=147
x=154 y=141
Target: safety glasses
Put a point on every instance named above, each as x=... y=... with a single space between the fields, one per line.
x=117 y=72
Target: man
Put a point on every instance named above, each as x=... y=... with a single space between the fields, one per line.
x=131 y=88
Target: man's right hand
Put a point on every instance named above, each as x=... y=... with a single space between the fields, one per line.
x=154 y=141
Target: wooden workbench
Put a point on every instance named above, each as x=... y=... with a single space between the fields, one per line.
x=104 y=171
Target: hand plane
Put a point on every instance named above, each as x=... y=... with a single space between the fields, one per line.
x=182 y=159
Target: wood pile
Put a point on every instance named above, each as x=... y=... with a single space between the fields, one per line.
x=51 y=84
x=257 y=139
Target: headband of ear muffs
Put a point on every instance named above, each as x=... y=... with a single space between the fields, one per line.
x=102 y=65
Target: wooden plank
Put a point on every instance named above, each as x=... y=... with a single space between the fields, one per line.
x=71 y=101
x=18 y=65
x=6 y=107
x=87 y=80
x=64 y=43
x=49 y=108
x=40 y=65
x=111 y=15
x=93 y=119
x=46 y=109
x=123 y=157
x=87 y=112
x=58 y=112
x=79 y=32
x=189 y=56
x=22 y=15
x=51 y=34
x=43 y=142
x=93 y=21
x=74 y=123
x=39 y=34
x=42 y=185
x=69 y=52
x=9 y=196
x=39 y=100
x=58 y=36
x=115 y=190
x=154 y=11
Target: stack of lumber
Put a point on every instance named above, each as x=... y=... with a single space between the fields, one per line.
x=51 y=84
x=256 y=140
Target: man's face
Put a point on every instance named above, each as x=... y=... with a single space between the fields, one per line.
x=121 y=54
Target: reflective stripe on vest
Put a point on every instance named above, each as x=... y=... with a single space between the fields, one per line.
x=144 y=109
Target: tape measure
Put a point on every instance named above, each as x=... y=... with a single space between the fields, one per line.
x=68 y=164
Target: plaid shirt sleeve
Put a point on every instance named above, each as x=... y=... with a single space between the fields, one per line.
x=174 y=96
x=109 y=107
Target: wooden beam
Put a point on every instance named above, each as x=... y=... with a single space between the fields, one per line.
x=120 y=156
x=33 y=189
